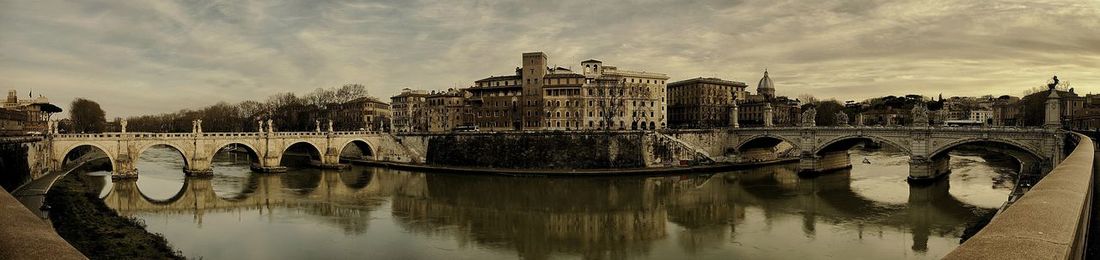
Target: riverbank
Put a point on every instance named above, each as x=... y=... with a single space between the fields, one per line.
x=572 y=173
x=96 y=230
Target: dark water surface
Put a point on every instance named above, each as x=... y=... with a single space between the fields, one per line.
x=868 y=212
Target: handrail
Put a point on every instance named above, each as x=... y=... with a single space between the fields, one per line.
x=1049 y=222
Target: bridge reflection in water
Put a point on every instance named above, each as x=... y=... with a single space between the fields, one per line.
x=764 y=212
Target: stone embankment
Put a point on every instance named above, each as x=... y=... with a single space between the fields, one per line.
x=581 y=151
x=26 y=236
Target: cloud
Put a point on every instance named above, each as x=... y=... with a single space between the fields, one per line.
x=142 y=57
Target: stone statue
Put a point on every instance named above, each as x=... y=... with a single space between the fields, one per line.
x=270 y=126
x=809 y=117
x=198 y=125
x=194 y=126
x=330 y=125
x=123 y=124
x=317 y=126
x=769 y=115
x=1053 y=83
x=920 y=115
x=841 y=119
x=260 y=126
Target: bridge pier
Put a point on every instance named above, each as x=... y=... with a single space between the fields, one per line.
x=331 y=159
x=827 y=161
x=124 y=169
x=924 y=170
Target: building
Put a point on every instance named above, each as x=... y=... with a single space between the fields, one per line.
x=538 y=97
x=703 y=102
x=37 y=112
x=445 y=110
x=753 y=109
x=408 y=111
x=495 y=103
x=365 y=113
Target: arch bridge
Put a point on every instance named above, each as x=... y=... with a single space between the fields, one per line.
x=266 y=149
x=824 y=148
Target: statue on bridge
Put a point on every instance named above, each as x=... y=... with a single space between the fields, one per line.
x=809 y=117
x=841 y=119
x=330 y=125
x=270 y=126
x=122 y=124
x=317 y=126
x=260 y=126
x=920 y=115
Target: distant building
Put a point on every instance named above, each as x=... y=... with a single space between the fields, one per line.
x=445 y=110
x=703 y=102
x=752 y=109
x=366 y=113
x=538 y=97
x=37 y=112
x=408 y=111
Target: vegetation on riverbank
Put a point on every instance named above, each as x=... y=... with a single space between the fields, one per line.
x=96 y=230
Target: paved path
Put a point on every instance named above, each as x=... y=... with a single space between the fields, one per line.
x=33 y=194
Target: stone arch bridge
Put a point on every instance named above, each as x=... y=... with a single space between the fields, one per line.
x=817 y=148
x=265 y=148
x=825 y=148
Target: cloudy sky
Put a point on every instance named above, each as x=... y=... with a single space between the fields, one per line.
x=154 y=56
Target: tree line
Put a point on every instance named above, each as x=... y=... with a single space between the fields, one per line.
x=289 y=111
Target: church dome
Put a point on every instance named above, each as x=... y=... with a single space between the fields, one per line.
x=765 y=86
x=765 y=82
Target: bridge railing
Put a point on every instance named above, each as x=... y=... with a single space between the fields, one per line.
x=1049 y=222
x=209 y=134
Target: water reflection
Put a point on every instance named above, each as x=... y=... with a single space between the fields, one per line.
x=766 y=212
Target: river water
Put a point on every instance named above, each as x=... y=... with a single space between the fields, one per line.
x=868 y=212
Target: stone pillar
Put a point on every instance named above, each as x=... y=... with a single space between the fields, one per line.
x=271 y=155
x=925 y=170
x=1053 y=117
x=826 y=161
x=733 y=116
x=768 y=116
x=124 y=163
x=198 y=163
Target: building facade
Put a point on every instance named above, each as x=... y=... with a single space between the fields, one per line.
x=703 y=102
x=446 y=110
x=538 y=97
x=36 y=110
x=365 y=113
x=408 y=111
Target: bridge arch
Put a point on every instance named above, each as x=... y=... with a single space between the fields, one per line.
x=186 y=156
x=254 y=155
x=65 y=154
x=765 y=138
x=947 y=147
x=844 y=143
x=367 y=149
x=314 y=151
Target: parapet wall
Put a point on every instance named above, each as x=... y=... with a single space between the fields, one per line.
x=1048 y=222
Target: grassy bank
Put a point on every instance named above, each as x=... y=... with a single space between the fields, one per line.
x=96 y=230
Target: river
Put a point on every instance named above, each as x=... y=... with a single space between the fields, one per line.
x=867 y=212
